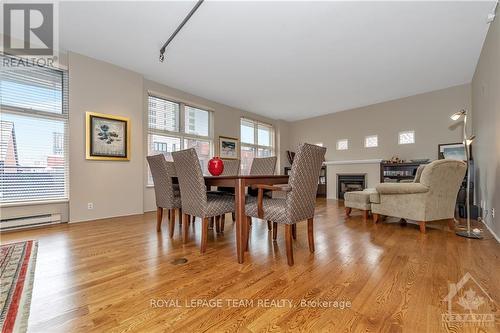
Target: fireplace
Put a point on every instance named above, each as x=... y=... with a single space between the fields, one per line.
x=350 y=182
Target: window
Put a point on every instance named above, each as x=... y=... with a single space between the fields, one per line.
x=371 y=141
x=257 y=140
x=343 y=144
x=34 y=134
x=406 y=137
x=166 y=132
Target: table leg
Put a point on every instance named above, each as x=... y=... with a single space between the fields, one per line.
x=239 y=205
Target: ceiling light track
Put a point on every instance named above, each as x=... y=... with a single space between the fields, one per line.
x=162 y=50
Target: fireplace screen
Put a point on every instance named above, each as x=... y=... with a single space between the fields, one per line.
x=348 y=183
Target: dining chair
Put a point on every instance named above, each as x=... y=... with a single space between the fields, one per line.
x=231 y=168
x=167 y=194
x=194 y=197
x=262 y=166
x=300 y=200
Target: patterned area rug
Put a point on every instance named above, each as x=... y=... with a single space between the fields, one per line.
x=17 y=270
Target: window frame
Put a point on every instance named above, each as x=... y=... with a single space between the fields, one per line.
x=342 y=140
x=50 y=116
x=181 y=134
x=371 y=136
x=407 y=143
x=256 y=146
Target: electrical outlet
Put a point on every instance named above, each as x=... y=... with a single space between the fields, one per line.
x=90 y=205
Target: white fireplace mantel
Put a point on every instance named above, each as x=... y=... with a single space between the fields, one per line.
x=370 y=168
x=372 y=161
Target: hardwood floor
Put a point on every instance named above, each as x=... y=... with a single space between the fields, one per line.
x=107 y=275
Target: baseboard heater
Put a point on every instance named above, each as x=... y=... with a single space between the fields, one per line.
x=29 y=221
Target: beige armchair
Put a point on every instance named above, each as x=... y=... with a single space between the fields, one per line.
x=433 y=198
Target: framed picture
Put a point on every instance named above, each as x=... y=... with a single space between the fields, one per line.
x=452 y=151
x=229 y=148
x=107 y=137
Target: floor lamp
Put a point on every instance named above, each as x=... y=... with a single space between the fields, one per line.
x=467 y=142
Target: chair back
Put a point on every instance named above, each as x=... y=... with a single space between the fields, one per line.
x=262 y=166
x=418 y=173
x=443 y=177
x=191 y=182
x=162 y=172
x=303 y=180
x=231 y=168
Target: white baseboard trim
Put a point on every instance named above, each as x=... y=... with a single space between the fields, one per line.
x=489 y=228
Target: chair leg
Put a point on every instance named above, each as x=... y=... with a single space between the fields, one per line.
x=348 y=211
x=294 y=231
x=247 y=234
x=204 y=235
x=185 y=226
x=233 y=216
x=194 y=219
x=375 y=217
x=310 y=234
x=211 y=222
x=159 y=218
x=171 y=223
x=222 y=222
x=289 y=247
x=451 y=224
x=217 y=224
x=180 y=217
x=422 y=226
x=269 y=226
x=365 y=215
x=275 y=230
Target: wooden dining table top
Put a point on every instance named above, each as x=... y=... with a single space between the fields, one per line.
x=248 y=179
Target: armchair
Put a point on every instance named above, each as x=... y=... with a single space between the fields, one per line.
x=433 y=198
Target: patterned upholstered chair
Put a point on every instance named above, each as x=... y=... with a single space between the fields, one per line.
x=231 y=168
x=300 y=198
x=166 y=193
x=194 y=197
x=262 y=166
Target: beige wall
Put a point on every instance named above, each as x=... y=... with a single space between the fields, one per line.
x=119 y=188
x=115 y=188
x=226 y=123
x=427 y=114
x=486 y=125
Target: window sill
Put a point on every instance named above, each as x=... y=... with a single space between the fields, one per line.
x=33 y=203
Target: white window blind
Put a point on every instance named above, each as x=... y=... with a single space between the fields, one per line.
x=166 y=133
x=34 y=134
x=257 y=140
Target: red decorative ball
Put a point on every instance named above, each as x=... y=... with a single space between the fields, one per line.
x=215 y=166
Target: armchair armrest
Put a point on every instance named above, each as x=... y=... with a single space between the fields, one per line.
x=260 y=194
x=401 y=188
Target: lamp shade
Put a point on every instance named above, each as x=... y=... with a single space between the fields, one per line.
x=458 y=115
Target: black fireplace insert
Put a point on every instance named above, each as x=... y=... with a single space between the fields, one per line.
x=350 y=182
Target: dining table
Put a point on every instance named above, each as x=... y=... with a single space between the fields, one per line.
x=240 y=183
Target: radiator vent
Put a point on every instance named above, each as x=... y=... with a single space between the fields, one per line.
x=29 y=221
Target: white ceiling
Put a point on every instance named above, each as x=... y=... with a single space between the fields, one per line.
x=286 y=60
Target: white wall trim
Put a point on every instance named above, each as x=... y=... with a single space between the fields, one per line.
x=32 y=203
x=372 y=161
x=491 y=230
